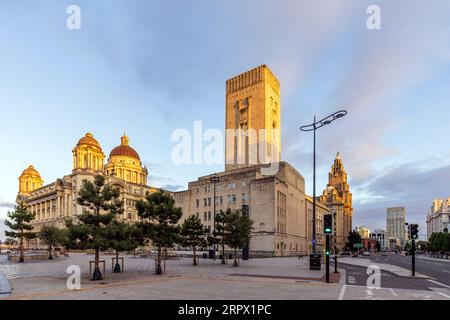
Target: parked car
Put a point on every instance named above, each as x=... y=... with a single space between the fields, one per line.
x=366 y=253
x=384 y=253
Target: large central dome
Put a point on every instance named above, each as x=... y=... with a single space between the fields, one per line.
x=124 y=150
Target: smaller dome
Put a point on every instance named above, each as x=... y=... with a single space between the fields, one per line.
x=88 y=139
x=124 y=150
x=31 y=171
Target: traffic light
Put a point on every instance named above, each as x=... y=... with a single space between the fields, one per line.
x=327 y=252
x=327 y=224
x=414 y=231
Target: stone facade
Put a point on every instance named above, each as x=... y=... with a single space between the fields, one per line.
x=276 y=202
x=253 y=113
x=338 y=198
x=321 y=210
x=55 y=202
x=438 y=217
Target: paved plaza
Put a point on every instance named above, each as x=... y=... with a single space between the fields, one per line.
x=256 y=279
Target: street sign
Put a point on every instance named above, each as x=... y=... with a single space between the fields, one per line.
x=358 y=245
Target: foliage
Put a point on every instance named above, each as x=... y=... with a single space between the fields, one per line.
x=19 y=223
x=353 y=238
x=193 y=234
x=237 y=231
x=122 y=236
x=101 y=204
x=159 y=216
x=51 y=236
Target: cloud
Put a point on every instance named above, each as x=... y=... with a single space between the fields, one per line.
x=173 y=187
x=8 y=205
x=409 y=185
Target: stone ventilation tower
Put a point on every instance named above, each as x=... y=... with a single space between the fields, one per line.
x=253 y=109
x=30 y=180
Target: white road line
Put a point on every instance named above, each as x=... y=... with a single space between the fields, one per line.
x=341 y=294
x=438 y=283
x=393 y=292
x=443 y=294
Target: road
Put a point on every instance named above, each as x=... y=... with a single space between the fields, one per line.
x=396 y=287
x=438 y=270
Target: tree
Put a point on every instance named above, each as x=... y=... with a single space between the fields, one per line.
x=160 y=217
x=237 y=231
x=193 y=234
x=122 y=237
x=219 y=231
x=51 y=236
x=101 y=203
x=378 y=246
x=353 y=238
x=19 y=223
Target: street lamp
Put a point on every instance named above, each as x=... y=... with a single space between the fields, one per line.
x=214 y=178
x=313 y=127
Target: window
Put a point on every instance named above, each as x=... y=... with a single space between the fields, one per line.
x=205 y=202
x=129 y=215
x=234 y=198
x=198 y=203
x=244 y=198
x=231 y=185
x=221 y=200
x=204 y=216
x=209 y=216
x=209 y=202
x=198 y=215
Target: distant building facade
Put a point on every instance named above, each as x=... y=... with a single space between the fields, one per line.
x=363 y=232
x=438 y=217
x=395 y=224
x=338 y=198
x=321 y=210
x=382 y=238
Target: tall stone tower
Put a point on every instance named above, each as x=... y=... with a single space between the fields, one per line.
x=252 y=119
x=337 y=196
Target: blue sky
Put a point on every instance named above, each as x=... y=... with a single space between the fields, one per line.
x=150 y=67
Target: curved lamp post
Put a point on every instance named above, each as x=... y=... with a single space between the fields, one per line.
x=313 y=127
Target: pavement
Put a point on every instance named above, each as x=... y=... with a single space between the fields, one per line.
x=256 y=279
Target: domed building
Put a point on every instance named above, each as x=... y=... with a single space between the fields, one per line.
x=30 y=180
x=55 y=202
x=124 y=163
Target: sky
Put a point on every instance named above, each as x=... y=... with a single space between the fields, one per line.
x=148 y=68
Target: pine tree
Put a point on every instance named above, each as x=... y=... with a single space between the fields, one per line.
x=51 y=236
x=237 y=231
x=193 y=234
x=160 y=217
x=122 y=237
x=101 y=204
x=19 y=223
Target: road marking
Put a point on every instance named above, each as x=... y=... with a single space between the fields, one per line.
x=341 y=294
x=438 y=283
x=446 y=271
x=393 y=292
x=443 y=294
x=351 y=279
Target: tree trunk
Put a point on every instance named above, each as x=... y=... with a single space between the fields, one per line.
x=195 y=258
x=223 y=253
x=97 y=275
x=50 y=257
x=117 y=265
x=158 y=263
x=21 y=257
